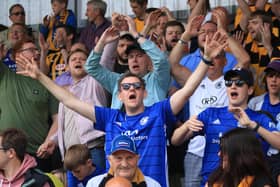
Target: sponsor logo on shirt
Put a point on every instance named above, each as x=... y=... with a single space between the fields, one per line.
x=209 y=101
x=134 y=135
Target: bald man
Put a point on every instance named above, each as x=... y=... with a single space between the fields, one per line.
x=118 y=182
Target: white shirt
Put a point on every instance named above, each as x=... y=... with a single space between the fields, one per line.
x=95 y=181
x=208 y=94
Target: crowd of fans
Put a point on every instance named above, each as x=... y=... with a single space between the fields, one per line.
x=143 y=100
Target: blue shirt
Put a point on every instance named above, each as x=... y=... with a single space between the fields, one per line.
x=273 y=109
x=9 y=62
x=148 y=131
x=192 y=60
x=218 y=121
x=72 y=181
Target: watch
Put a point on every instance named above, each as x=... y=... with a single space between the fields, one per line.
x=180 y=41
x=138 y=36
x=207 y=62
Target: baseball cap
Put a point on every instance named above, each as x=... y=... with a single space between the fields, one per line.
x=123 y=143
x=133 y=47
x=274 y=65
x=243 y=74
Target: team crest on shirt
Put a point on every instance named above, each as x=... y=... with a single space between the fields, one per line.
x=278 y=117
x=144 y=120
x=218 y=85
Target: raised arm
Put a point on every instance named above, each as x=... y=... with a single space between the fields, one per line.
x=246 y=12
x=199 y=9
x=211 y=49
x=30 y=69
x=260 y=4
x=179 y=72
x=235 y=47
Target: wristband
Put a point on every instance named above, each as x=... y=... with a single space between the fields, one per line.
x=256 y=128
x=180 y=41
x=207 y=62
x=138 y=36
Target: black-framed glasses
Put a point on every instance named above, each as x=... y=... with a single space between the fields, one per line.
x=18 y=13
x=31 y=49
x=135 y=85
x=238 y=83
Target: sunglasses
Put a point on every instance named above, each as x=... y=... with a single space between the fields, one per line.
x=238 y=83
x=18 y=13
x=135 y=85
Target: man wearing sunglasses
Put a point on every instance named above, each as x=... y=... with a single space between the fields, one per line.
x=214 y=122
x=146 y=125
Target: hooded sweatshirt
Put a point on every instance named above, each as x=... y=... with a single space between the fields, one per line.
x=18 y=178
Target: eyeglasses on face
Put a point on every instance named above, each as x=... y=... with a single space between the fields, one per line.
x=135 y=85
x=2 y=148
x=16 y=31
x=238 y=83
x=31 y=49
x=18 y=13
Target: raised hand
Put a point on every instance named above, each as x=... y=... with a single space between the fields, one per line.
x=110 y=35
x=152 y=19
x=131 y=25
x=214 y=46
x=191 y=29
x=239 y=36
x=119 y=22
x=220 y=17
x=168 y=13
x=27 y=67
x=265 y=35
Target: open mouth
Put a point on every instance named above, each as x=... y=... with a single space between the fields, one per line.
x=132 y=96
x=135 y=67
x=233 y=95
x=175 y=40
x=78 y=66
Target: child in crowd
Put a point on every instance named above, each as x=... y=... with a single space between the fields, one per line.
x=79 y=166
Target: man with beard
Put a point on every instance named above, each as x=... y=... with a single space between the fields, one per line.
x=263 y=48
x=172 y=33
x=114 y=52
